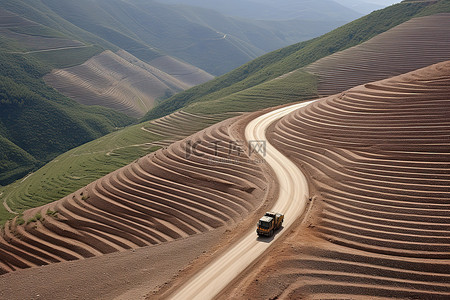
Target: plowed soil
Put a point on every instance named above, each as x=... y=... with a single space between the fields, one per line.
x=412 y=45
x=119 y=81
x=378 y=161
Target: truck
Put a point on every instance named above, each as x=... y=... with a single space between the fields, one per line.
x=269 y=223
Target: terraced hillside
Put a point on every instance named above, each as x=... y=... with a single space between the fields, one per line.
x=123 y=82
x=190 y=187
x=378 y=158
x=389 y=54
x=181 y=124
x=89 y=162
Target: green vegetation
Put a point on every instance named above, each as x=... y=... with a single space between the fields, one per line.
x=20 y=220
x=65 y=58
x=52 y=213
x=35 y=218
x=4 y=214
x=14 y=161
x=297 y=86
x=442 y=6
x=35 y=30
x=288 y=59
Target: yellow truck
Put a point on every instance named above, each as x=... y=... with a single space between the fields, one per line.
x=269 y=223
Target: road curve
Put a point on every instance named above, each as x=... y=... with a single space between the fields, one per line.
x=291 y=201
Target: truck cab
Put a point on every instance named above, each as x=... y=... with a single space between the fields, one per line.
x=269 y=223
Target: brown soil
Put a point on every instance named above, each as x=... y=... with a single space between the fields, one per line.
x=412 y=45
x=123 y=275
x=119 y=81
x=378 y=157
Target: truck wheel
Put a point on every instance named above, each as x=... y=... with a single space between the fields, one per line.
x=271 y=233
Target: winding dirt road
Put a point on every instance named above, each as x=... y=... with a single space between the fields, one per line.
x=291 y=201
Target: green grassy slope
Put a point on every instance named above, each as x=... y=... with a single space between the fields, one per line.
x=291 y=58
x=14 y=161
x=78 y=167
x=296 y=86
x=67 y=58
x=440 y=7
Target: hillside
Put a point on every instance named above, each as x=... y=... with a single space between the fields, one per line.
x=123 y=82
x=85 y=164
x=82 y=165
x=38 y=39
x=161 y=197
x=378 y=221
x=35 y=120
x=180 y=71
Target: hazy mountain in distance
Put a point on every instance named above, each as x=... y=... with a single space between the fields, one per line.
x=362 y=7
x=277 y=9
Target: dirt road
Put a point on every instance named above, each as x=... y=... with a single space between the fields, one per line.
x=292 y=202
